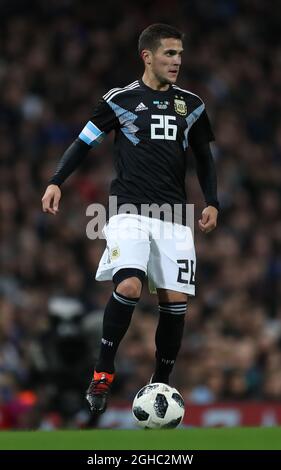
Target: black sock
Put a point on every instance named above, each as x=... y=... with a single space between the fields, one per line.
x=117 y=317
x=168 y=339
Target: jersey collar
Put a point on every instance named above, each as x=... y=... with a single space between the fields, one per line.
x=142 y=84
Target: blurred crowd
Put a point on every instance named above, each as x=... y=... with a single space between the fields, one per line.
x=56 y=60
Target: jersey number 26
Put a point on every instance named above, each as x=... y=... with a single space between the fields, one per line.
x=162 y=129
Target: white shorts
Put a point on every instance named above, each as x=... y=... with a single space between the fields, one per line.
x=163 y=250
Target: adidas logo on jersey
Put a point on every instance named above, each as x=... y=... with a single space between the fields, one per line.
x=141 y=107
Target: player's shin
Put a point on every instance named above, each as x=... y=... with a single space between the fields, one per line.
x=168 y=339
x=116 y=321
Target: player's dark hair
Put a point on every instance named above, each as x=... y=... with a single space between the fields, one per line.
x=151 y=36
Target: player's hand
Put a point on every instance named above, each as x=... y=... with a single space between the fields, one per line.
x=51 y=198
x=209 y=219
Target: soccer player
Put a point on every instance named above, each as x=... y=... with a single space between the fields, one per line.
x=154 y=122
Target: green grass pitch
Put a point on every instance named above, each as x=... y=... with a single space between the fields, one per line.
x=177 y=439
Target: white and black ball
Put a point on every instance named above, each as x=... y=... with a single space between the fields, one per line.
x=158 y=405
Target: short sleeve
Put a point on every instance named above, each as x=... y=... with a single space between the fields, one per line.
x=102 y=121
x=201 y=131
x=104 y=117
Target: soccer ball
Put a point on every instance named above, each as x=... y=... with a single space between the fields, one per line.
x=158 y=405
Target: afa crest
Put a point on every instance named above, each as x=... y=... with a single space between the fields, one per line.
x=180 y=106
x=115 y=253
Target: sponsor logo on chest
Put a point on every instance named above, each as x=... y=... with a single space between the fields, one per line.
x=141 y=107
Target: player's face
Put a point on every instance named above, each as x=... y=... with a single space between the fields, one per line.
x=166 y=60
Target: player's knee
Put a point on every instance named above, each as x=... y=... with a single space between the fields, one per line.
x=130 y=288
x=128 y=282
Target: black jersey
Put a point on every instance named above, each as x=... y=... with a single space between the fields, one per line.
x=152 y=132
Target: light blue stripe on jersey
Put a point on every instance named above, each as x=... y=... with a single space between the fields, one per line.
x=91 y=134
x=190 y=121
x=126 y=119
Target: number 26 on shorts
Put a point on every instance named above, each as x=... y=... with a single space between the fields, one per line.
x=186 y=273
